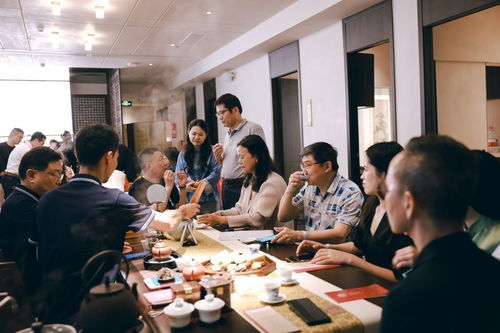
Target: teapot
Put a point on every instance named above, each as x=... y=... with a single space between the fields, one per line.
x=108 y=307
x=161 y=251
x=193 y=270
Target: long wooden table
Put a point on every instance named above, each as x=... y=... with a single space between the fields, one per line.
x=344 y=277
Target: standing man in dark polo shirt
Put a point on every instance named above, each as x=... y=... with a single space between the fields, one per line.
x=81 y=218
x=40 y=171
x=15 y=137
x=454 y=286
x=229 y=112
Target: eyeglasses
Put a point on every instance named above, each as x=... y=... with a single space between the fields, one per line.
x=56 y=174
x=307 y=166
x=221 y=112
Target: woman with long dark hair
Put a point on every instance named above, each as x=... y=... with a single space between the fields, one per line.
x=198 y=163
x=373 y=237
x=261 y=191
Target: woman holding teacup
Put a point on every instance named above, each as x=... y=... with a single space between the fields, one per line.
x=373 y=238
x=261 y=191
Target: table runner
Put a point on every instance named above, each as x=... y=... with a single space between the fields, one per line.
x=343 y=321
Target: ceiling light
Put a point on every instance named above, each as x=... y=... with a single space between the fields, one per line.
x=172 y=44
x=99 y=12
x=150 y=64
x=209 y=13
x=56 y=7
x=87 y=45
x=88 y=42
x=55 y=39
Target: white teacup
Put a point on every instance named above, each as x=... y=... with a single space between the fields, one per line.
x=272 y=290
x=285 y=274
x=254 y=248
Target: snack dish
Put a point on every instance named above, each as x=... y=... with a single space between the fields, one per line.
x=237 y=263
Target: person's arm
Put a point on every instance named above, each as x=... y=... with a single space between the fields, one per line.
x=218 y=150
x=182 y=182
x=214 y=175
x=332 y=257
x=220 y=217
x=168 y=220
x=290 y=207
x=168 y=177
x=347 y=217
x=309 y=246
x=262 y=208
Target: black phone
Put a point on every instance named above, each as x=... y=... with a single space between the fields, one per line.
x=302 y=257
x=308 y=311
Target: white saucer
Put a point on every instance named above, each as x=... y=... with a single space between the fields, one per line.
x=289 y=282
x=263 y=298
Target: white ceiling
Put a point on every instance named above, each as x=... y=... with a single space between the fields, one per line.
x=133 y=34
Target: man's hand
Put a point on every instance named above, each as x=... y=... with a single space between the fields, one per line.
x=191 y=185
x=287 y=236
x=218 y=151
x=405 y=257
x=189 y=210
x=295 y=182
x=168 y=177
x=309 y=246
x=68 y=172
x=181 y=178
x=331 y=257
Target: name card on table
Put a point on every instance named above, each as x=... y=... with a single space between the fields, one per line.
x=269 y=320
x=371 y=291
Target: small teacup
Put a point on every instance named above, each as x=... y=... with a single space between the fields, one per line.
x=285 y=274
x=272 y=290
x=254 y=248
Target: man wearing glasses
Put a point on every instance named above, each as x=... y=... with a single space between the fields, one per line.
x=331 y=204
x=40 y=170
x=229 y=113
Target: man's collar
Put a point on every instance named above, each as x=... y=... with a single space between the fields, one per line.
x=243 y=122
x=85 y=177
x=333 y=186
x=26 y=191
x=451 y=244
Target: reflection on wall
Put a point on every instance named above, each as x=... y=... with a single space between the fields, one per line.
x=375 y=123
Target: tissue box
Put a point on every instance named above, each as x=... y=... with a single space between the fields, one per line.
x=220 y=287
x=189 y=291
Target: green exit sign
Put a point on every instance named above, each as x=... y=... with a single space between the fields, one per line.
x=126 y=103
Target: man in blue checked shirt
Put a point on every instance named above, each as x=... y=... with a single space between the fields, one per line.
x=331 y=204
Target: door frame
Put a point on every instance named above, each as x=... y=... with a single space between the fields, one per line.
x=366 y=29
x=282 y=62
x=430 y=14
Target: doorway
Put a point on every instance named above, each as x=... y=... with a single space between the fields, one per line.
x=209 y=97
x=370 y=75
x=462 y=59
x=286 y=110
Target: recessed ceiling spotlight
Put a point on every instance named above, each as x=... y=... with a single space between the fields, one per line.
x=172 y=44
x=56 y=7
x=209 y=13
x=55 y=39
x=150 y=64
x=99 y=12
x=89 y=40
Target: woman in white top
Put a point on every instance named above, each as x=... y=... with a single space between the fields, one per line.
x=261 y=192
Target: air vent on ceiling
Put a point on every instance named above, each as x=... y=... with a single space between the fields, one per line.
x=192 y=39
